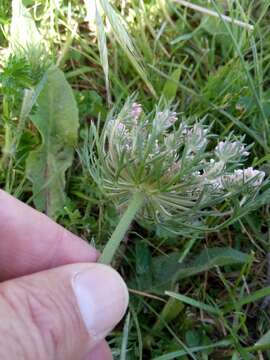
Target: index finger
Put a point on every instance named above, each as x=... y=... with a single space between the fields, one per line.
x=31 y=242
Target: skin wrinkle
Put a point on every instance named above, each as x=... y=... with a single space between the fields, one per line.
x=19 y=325
x=66 y=309
x=54 y=332
x=51 y=320
x=11 y=346
x=35 y=306
x=30 y=316
x=10 y=333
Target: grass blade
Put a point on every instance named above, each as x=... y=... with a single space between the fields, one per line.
x=187 y=300
x=125 y=42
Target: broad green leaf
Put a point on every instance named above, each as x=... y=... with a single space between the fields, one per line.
x=210 y=258
x=264 y=340
x=29 y=100
x=143 y=258
x=26 y=42
x=263 y=343
x=24 y=35
x=166 y=269
x=57 y=121
x=171 y=85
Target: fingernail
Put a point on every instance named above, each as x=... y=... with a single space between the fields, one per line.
x=102 y=297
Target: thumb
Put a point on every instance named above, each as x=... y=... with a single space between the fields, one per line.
x=60 y=313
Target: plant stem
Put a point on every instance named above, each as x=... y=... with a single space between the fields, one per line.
x=121 y=229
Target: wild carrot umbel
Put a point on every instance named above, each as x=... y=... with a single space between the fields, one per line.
x=164 y=170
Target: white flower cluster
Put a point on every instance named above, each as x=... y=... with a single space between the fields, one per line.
x=236 y=180
x=196 y=139
x=241 y=177
x=130 y=133
x=230 y=151
x=218 y=173
x=169 y=161
x=136 y=110
x=164 y=119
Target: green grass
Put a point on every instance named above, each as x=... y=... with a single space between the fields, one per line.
x=211 y=69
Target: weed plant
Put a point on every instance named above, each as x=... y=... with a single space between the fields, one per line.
x=182 y=166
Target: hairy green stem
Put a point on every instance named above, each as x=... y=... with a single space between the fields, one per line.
x=121 y=229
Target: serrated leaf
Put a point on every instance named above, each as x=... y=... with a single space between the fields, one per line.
x=57 y=121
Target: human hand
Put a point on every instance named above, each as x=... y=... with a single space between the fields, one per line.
x=55 y=302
